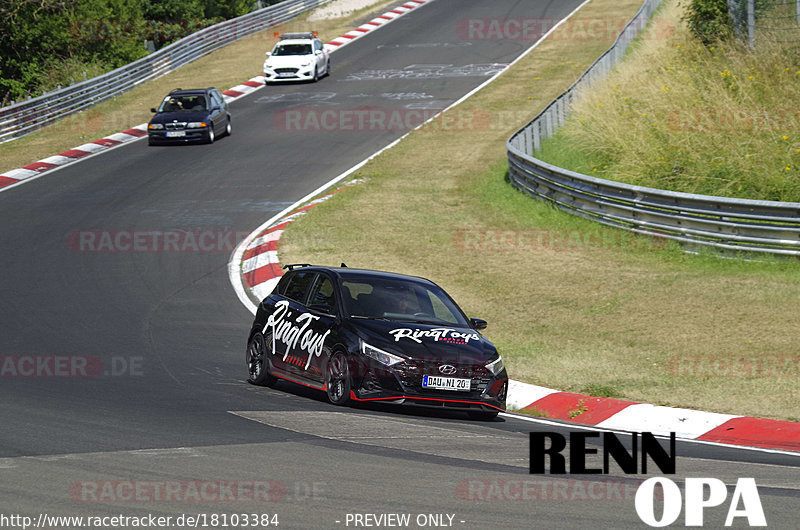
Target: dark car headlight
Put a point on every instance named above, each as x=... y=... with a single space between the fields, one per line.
x=383 y=357
x=196 y=125
x=495 y=366
x=155 y=126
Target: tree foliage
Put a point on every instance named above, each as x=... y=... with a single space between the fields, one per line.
x=708 y=19
x=46 y=43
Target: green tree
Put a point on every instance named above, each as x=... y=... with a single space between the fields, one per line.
x=33 y=38
x=708 y=19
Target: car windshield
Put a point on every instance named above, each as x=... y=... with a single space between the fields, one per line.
x=183 y=103
x=399 y=300
x=292 y=49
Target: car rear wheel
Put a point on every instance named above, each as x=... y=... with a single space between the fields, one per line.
x=337 y=379
x=257 y=362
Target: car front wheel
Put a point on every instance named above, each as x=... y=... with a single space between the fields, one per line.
x=210 y=134
x=228 y=128
x=337 y=378
x=257 y=363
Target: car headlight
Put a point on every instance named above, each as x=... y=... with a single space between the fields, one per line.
x=305 y=64
x=267 y=66
x=155 y=126
x=496 y=366
x=383 y=357
x=196 y=125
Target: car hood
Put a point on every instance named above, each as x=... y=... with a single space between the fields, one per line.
x=425 y=341
x=183 y=116
x=288 y=61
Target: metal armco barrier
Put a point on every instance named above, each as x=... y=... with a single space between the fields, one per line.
x=693 y=220
x=21 y=118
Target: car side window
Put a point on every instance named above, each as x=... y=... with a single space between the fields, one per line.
x=322 y=294
x=298 y=285
x=216 y=101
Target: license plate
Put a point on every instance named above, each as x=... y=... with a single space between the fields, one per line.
x=286 y=74
x=175 y=134
x=446 y=383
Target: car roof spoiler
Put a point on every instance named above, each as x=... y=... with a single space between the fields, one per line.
x=292 y=266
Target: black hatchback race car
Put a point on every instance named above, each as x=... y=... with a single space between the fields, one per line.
x=364 y=335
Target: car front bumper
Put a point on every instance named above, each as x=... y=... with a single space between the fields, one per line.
x=190 y=135
x=303 y=74
x=380 y=383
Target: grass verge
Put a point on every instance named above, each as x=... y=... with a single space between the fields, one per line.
x=718 y=120
x=223 y=69
x=571 y=305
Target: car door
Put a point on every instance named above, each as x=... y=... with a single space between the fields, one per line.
x=323 y=307
x=285 y=320
x=218 y=112
x=320 y=55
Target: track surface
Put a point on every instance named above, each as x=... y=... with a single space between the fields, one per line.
x=170 y=323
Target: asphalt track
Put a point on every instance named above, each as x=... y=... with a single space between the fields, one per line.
x=160 y=335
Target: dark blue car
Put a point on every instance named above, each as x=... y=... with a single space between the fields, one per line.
x=363 y=335
x=194 y=115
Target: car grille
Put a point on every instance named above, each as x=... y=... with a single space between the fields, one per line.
x=286 y=70
x=412 y=371
x=175 y=126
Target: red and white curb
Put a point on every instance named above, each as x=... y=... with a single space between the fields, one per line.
x=73 y=155
x=76 y=154
x=373 y=24
x=620 y=415
x=261 y=269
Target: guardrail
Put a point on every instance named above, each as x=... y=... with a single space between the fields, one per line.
x=21 y=118
x=693 y=220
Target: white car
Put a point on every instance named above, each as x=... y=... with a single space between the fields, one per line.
x=297 y=57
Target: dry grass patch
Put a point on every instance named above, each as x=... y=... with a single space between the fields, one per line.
x=581 y=315
x=720 y=120
x=223 y=69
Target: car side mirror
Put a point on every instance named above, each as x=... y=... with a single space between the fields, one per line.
x=268 y=54
x=153 y=110
x=478 y=323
